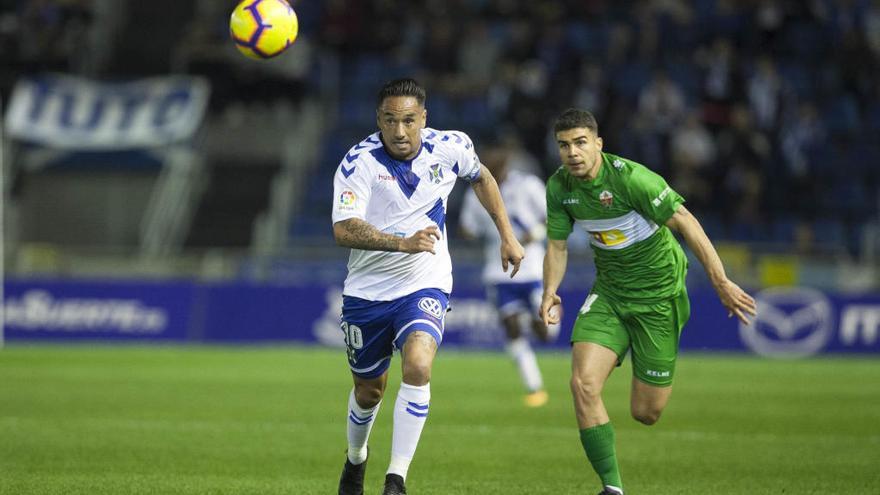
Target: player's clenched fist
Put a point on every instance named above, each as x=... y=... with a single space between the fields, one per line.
x=421 y=241
x=551 y=304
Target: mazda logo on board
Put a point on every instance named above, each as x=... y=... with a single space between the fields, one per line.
x=791 y=322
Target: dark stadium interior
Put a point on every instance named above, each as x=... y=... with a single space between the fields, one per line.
x=763 y=114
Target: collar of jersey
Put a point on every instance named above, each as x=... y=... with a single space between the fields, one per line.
x=401 y=170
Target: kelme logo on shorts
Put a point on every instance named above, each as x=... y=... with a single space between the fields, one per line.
x=431 y=306
x=658 y=374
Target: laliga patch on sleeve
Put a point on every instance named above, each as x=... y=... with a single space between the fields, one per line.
x=347 y=200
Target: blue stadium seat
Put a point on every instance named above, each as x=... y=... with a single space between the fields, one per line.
x=587 y=39
x=687 y=76
x=630 y=78
x=783 y=230
x=713 y=226
x=356 y=110
x=747 y=232
x=841 y=115
x=805 y=41
x=829 y=231
x=798 y=78
x=441 y=111
x=368 y=71
x=475 y=114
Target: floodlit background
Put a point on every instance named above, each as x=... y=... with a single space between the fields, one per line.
x=158 y=187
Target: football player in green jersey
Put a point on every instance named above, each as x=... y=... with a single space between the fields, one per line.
x=639 y=301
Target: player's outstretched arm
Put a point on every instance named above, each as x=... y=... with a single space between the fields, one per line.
x=555 y=262
x=358 y=234
x=486 y=189
x=732 y=296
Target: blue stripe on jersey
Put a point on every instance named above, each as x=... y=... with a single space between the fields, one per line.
x=455 y=168
x=401 y=171
x=438 y=214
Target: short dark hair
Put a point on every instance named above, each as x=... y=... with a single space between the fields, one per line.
x=401 y=87
x=575 y=118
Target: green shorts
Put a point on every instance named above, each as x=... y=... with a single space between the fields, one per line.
x=652 y=331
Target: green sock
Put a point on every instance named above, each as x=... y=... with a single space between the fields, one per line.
x=598 y=442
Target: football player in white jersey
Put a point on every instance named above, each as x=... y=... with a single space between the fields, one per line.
x=523 y=196
x=390 y=196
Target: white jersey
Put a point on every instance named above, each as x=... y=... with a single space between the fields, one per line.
x=524 y=198
x=401 y=198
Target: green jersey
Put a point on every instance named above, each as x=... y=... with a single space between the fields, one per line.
x=624 y=211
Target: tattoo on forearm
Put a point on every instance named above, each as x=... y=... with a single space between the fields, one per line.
x=359 y=234
x=482 y=189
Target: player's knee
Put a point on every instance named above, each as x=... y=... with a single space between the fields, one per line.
x=367 y=397
x=586 y=388
x=417 y=374
x=646 y=415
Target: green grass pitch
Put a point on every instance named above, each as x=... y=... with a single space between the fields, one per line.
x=271 y=420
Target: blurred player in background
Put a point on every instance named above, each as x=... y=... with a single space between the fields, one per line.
x=517 y=302
x=390 y=195
x=639 y=302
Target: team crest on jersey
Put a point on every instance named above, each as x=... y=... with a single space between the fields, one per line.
x=431 y=306
x=606 y=198
x=436 y=173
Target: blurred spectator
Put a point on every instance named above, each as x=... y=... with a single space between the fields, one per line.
x=871 y=26
x=765 y=94
x=478 y=54
x=661 y=104
x=720 y=81
x=692 y=150
x=803 y=132
x=661 y=108
x=802 y=135
x=52 y=33
x=744 y=154
x=528 y=108
x=591 y=90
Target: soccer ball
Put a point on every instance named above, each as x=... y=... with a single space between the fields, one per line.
x=263 y=28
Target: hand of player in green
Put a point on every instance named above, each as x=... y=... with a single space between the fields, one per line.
x=551 y=306
x=736 y=301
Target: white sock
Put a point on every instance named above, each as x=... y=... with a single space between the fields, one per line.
x=410 y=413
x=521 y=352
x=360 y=422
